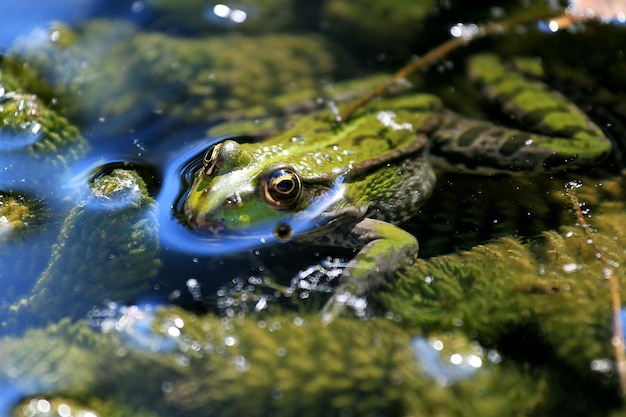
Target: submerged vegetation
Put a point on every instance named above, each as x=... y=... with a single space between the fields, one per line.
x=507 y=311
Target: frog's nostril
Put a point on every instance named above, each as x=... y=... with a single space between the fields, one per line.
x=283 y=232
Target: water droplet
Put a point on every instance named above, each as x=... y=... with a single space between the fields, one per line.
x=55 y=35
x=466 y=32
x=474 y=361
x=230 y=341
x=43 y=406
x=571 y=267
x=456 y=359
x=64 y=410
x=167 y=386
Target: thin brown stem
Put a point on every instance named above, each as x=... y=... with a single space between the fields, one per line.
x=438 y=53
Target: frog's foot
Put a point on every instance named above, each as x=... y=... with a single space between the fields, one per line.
x=385 y=249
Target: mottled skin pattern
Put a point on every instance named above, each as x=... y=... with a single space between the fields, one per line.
x=349 y=183
x=559 y=134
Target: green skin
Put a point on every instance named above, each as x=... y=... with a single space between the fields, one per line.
x=350 y=183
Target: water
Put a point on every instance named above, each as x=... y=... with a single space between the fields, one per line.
x=144 y=83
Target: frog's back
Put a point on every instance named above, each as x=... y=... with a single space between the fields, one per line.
x=378 y=155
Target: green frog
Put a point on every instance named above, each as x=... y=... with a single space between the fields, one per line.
x=350 y=183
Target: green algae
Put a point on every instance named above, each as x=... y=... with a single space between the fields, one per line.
x=261 y=16
x=16 y=214
x=382 y=25
x=538 y=305
x=29 y=126
x=32 y=134
x=513 y=295
x=21 y=217
x=549 y=292
x=194 y=79
x=279 y=111
x=107 y=249
x=258 y=367
x=115 y=230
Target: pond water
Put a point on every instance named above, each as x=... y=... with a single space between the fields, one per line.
x=106 y=291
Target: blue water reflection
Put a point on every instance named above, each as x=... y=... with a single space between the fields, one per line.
x=20 y=17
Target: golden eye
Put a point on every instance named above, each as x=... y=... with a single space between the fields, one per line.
x=281 y=188
x=210 y=160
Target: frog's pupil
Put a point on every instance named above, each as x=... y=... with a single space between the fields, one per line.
x=285 y=186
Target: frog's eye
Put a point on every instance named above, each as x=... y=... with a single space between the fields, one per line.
x=210 y=160
x=281 y=188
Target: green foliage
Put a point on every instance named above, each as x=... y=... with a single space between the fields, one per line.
x=540 y=300
x=194 y=79
x=287 y=366
x=106 y=250
x=543 y=301
x=30 y=127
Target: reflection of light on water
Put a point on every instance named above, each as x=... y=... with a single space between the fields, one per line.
x=21 y=17
x=467 y=32
x=42 y=407
x=448 y=361
x=225 y=12
x=226 y=15
x=135 y=324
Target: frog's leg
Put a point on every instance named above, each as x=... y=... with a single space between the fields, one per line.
x=385 y=249
x=560 y=135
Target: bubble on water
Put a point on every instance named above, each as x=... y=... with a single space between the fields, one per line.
x=194 y=288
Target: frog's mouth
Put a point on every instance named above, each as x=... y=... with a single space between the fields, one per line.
x=205 y=224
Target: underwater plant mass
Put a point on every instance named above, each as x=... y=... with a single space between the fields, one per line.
x=200 y=215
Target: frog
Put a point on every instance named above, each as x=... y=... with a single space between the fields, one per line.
x=351 y=183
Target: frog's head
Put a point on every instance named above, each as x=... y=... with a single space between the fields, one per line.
x=237 y=191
